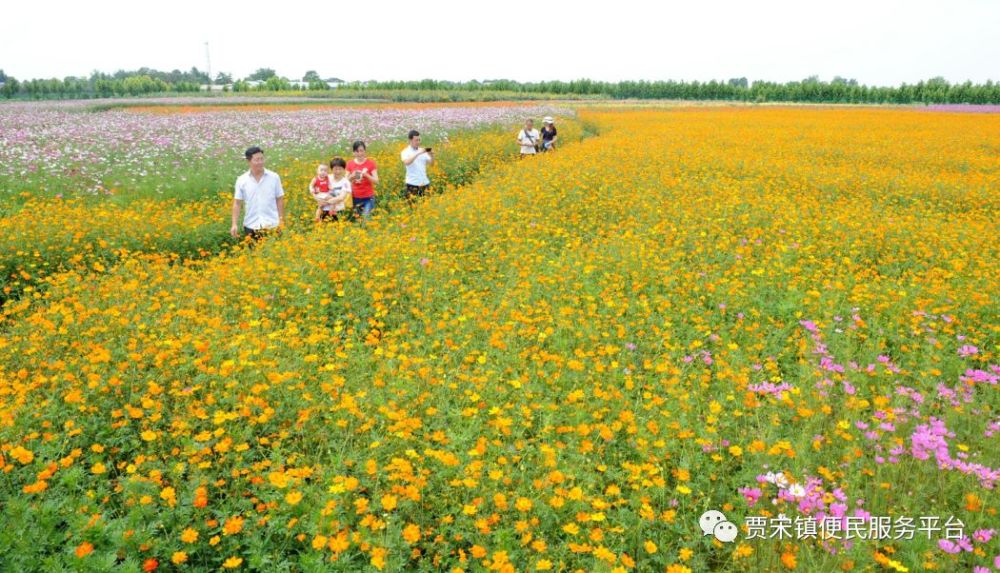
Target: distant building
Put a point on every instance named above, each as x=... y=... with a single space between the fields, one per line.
x=332 y=83
x=303 y=85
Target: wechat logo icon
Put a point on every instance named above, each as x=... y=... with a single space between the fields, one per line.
x=715 y=523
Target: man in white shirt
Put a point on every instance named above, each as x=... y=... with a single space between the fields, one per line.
x=527 y=138
x=260 y=189
x=416 y=160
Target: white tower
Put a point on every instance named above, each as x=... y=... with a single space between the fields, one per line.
x=208 y=65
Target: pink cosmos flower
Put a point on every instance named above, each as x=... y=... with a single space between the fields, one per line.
x=968 y=350
x=809 y=325
x=752 y=494
x=984 y=535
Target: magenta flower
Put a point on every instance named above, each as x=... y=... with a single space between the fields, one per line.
x=752 y=494
x=984 y=535
x=968 y=350
x=949 y=546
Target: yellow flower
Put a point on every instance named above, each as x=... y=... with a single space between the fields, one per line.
x=339 y=543
x=232 y=562
x=98 y=468
x=84 y=549
x=293 y=498
x=233 y=525
x=523 y=504
x=788 y=560
x=378 y=557
x=411 y=533
x=169 y=495
x=37 y=487
x=189 y=535
x=389 y=502
x=650 y=547
x=178 y=557
x=278 y=479
x=22 y=455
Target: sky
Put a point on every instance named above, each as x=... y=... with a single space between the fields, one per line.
x=875 y=42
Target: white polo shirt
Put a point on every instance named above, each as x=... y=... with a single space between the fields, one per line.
x=259 y=199
x=416 y=172
x=528 y=139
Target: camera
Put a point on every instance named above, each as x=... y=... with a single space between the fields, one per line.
x=427 y=149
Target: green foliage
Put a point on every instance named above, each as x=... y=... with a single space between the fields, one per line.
x=262 y=74
x=275 y=84
x=10 y=87
x=810 y=90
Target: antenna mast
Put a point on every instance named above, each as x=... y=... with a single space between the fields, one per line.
x=208 y=64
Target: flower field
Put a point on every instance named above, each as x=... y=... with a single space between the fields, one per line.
x=78 y=198
x=559 y=363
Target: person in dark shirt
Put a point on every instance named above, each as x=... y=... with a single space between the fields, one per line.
x=549 y=134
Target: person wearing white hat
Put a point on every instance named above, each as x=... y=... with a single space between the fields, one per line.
x=549 y=134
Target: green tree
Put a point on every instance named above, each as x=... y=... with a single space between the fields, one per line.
x=262 y=74
x=198 y=76
x=223 y=78
x=276 y=84
x=10 y=87
x=311 y=76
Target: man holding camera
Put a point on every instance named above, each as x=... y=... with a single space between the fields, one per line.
x=416 y=160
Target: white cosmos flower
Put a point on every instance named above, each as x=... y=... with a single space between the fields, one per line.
x=780 y=480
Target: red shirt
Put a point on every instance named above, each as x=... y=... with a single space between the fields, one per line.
x=361 y=189
x=321 y=185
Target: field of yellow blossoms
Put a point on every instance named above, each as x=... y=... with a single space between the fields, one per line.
x=786 y=315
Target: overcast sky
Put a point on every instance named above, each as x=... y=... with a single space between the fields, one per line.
x=876 y=42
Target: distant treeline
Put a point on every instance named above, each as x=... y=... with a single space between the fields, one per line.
x=146 y=81
x=122 y=83
x=838 y=90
